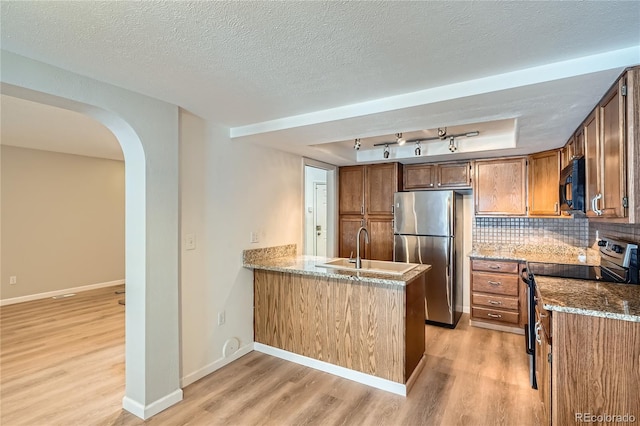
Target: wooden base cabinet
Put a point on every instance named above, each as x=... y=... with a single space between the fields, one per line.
x=496 y=294
x=594 y=369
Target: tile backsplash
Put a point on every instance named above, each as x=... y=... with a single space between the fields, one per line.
x=620 y=230
x=524 y=230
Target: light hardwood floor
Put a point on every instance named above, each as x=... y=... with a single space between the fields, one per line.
x=62 y=363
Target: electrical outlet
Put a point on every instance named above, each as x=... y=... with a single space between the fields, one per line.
x=222 y=317
x=254 y=237
x=13 y=280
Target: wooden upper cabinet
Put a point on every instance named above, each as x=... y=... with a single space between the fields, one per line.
x=578 y=142
x=613 y=175
x=544 y=175
x=351 y=190
x=591 y=156
x=437 y=176
x=452 y=175
x=381 y=183
x=605 y=161
x=500 y=187
x=419 y=176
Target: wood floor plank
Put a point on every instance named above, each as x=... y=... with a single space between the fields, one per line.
x=62 y=363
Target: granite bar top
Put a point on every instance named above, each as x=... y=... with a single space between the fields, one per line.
x=593 y=298
x=307 y=265
x=536 y=253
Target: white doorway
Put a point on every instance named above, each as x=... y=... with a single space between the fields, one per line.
x=320 y=218
x=319 y=208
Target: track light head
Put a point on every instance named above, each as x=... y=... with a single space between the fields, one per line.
x=418 y=149
x=452 y=145
x=386 y=151
x=356 y=144
x=442 y=132
x=400 y=140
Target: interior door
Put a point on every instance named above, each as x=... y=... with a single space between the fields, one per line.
x=320 y=218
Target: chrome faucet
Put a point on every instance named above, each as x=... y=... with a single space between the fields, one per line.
x=366 y=240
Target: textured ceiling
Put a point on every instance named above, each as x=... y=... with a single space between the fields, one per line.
x=242 y=63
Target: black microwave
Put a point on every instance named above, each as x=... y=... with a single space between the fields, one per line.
x=572 y=186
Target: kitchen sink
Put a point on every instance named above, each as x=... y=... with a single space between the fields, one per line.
x=376 y=266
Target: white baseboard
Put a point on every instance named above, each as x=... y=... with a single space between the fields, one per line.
x=49 y=294
x=356 y=376
x=216 y=365
x=145 y=412
x=466 y=310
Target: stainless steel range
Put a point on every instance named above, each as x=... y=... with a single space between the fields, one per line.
x=618 y=264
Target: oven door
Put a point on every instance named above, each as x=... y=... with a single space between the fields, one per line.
x=529 y=327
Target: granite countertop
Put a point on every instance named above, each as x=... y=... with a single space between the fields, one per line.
x=593 y=298
x=307 y=265
x=536 y=253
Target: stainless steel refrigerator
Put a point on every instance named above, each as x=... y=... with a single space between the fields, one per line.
x=428 y=229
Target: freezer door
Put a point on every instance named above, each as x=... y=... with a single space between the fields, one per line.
x=439 y=292
x=424 y=213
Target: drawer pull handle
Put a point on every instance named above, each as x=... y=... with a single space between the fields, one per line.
x=494 y=266
x=495 y=302
x=494 y=315
x=495 y=282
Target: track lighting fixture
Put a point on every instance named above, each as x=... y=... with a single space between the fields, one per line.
x=400 y=140
x=386 y=151
x=356 y=145
x=442 y=133
x=452 y=144
x=418 y=149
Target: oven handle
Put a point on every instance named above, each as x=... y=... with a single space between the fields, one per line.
x=526 y=340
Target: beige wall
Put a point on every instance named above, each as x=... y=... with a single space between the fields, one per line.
x=62 y=221
x=228 y=189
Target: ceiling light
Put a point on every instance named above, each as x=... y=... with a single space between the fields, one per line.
x=356 y=145
x=418 y=150
x=386 y=151
x=452 y=145
x=399 y=139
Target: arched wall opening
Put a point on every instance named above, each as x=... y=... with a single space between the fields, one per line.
x=147 y=131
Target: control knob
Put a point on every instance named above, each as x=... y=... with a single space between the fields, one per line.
x=602 y=243
x=617 y=249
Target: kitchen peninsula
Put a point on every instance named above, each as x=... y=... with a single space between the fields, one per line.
x=364 y=326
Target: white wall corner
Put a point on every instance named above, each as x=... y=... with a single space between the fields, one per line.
x=145 y=412
x=216 y=365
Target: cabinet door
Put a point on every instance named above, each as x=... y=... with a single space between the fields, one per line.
x=578 y=142
x=381 y=183
x=453 y=175
x=349 y=226
x=544 y=175
x=500 y=187
x=381 y=239
x=592 y=168
x=352 y=190
x=569 y=151
x=419 y=176
x=612 y=160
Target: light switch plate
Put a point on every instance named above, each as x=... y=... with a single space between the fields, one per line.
x=190 y=241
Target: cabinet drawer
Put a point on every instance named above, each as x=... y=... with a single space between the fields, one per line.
x=495 y=283
x=495 y=315
x=494 y=266
x=501 y=302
